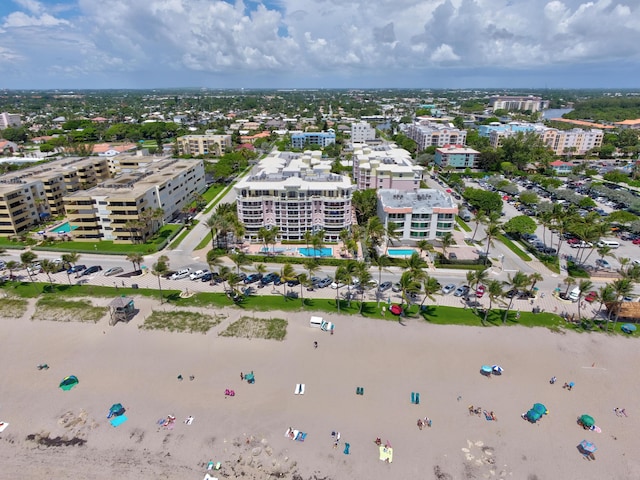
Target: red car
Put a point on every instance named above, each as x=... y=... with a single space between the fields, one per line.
x=480 y=291
x=573 y=241
x=636 y=241
x=591 y=296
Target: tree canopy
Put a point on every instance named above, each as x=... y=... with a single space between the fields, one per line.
x=520 y=225
x=483 y=200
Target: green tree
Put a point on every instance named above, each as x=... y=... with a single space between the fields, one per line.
x=517 y=282
x=160 y=268
x=483 y=200
x=136 y=259
x=495 y=293
x=27 y=258
x=446 y=241
x=520 y=225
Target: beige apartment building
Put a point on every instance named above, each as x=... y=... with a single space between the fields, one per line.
x=204 y=144
x=123 y=209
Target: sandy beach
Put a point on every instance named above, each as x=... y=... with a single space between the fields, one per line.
x=246 y=432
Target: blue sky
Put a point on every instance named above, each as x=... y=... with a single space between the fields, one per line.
x=77 y=44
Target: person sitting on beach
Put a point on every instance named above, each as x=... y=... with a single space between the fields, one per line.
x=378 y=441
x=566 y=385
x=553 y=380
x=427 y=421
x=420 y=424
x=471 y=410
x=493 y=416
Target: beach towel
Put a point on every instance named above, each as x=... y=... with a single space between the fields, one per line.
x=301 y=436
x=3 y=425
x=487 y=416
x=346 y=448
x=297 y=390
x=386 y=454
x=209 y=477
x=117 y=421
x=291 y=434
x=188 y=420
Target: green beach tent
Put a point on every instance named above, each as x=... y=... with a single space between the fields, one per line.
x=69 y=382
x=540 y=408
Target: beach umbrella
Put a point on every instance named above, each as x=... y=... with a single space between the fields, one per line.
x=587 y=421
x=540 y=408
x=395 y=309
x=486 y=370
x=587 y=447
x=533 y=416
x=69 y=382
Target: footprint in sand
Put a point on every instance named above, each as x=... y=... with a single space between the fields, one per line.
x=466 y=450
x=469 y=457
x=479 y=444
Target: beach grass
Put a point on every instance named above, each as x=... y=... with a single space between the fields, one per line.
x=56 y=309
x=181 y=321
x=251 y=327
x=13 y=307
x=36 y=289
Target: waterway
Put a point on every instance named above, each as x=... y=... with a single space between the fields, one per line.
x=555 y=112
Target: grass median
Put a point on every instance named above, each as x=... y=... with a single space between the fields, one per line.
x=514 y=248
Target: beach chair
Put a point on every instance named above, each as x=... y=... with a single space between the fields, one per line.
x=347 y=446
x=297 y=390
x=302 y=388
x=417 y=398
x=301 y=436
x=413 y=397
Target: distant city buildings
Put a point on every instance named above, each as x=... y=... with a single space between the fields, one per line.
x=385 y=167
x=426 y=134
x=457 y=156
x=301 y=139
x=425 y=214
x=208 y=144
x=297 y=193
x=530 y=103
x=9 y=120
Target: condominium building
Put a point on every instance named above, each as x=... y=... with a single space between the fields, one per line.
x=300 y=139
x=530 y=103
x=385 y=167
x=425 y=214
x=297 y=193
x=362 y=132
x=575 y=141
x=20 y=206
x=486 y=130
x=123 y=209
x=204 y=144
x=426 y=134
x=457 y=156
x=9 y=120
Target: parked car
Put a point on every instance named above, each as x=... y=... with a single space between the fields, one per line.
x=480 y=291
x=511 y=293
x=447 y=289
x=269 y=278
x=293 y=282
x=582 y=245
x=113 y=271
x=34 y=269
x=461 y=291
x=241 y=276
x=453 y=256
x=325 y=282
x=253 y=278
x=591 y=296
x=396 y=287
x=335 y=285
x=76 y=269
x=384 y=286
x=198 y=274
x=314 y=281
x=180 y=274
x=207 y=277
x=278 y=280
x=91 y=270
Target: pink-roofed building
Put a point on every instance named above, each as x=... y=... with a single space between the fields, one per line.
x=7 y=147
x=108 y=150
x=562 y=168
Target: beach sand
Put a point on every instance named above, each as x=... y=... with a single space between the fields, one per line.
x=246 y=432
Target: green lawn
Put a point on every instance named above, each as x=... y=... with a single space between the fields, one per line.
x=182 y=235
x=463 y=224
x=205 y=241
x=158 y=242
x=212 y=191
x=6 y=243
x=514 y=248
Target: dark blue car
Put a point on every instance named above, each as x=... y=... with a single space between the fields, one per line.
x=76 y=269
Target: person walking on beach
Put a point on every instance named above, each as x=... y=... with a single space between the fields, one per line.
x=241 y=376
x=420 y=424
x=315 y=344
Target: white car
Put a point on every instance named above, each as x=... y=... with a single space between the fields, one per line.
x=180 y=274
x=198 y=274
x=113 y=271
x=447 y=289
x=336 y=285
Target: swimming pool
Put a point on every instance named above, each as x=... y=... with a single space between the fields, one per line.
x=316 y=252
x=401 y=252
x=64 y=228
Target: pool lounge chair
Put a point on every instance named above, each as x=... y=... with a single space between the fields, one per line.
x=298 y=388
x=302 y=385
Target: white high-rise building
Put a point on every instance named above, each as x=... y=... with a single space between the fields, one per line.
x=427 y=134
x=9 y=120
x=297 y=193
x=362 y=132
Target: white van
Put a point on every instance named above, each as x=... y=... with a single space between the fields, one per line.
x=608 y=243
x=574 y=295
x=316 y=322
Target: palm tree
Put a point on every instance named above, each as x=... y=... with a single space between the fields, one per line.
x=273 y=237
x=492 y=231
x=415 y=264
x=225 y=273
x=362 y=273
x=27 y=258
x=49 y=267
x=304 y=281
x=311 y=266
x=308 y=238
x=474 y=279
x=605 y=251
x=569 y=282
x=622 y=288
x=160 y=268
x=317 y=242
x=392 y=234
x=408 y=285
x=431 y=286
x=11 y=266
x=534 y=278
x=424 y=246
x=136 y=259
x=240 y=260
x=517 y=283
x=214 y=261
x=260 y=268
x=341 y=276
x=606 y=295
x=72 y=259
x=374 y=232
x=287 y=273
x=263 y=235
x=480 y=217
x=583 y=286
x=446 y=241
x=344 y=236
x=380 y=261
x=495 y=293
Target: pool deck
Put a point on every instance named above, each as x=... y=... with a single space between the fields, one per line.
x=292 y=250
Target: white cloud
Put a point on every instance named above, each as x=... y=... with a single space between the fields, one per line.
x=321 y=37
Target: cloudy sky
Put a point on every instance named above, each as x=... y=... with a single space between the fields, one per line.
x=319 y=43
